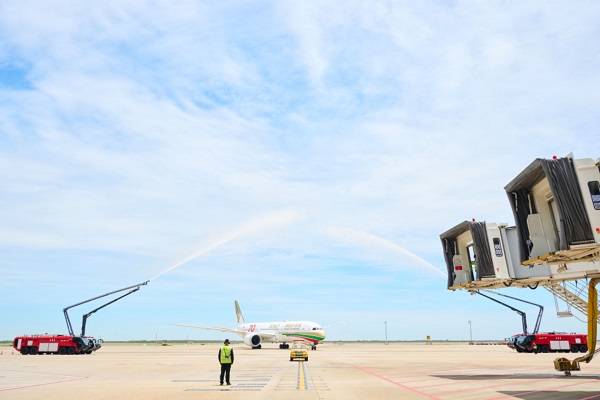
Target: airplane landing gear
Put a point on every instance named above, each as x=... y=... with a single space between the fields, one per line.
x=257 y=347
x=314 y=347
x=284 y=346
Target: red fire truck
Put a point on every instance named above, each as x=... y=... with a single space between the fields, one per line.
x=71 y=343
x=56 y=344
x=550 y=342
x=535 y=342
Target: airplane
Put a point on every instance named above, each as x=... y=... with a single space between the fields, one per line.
x=282 y=332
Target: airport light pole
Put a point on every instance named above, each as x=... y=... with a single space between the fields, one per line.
x=386 y=337
x=470 y=332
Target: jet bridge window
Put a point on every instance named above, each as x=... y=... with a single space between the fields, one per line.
x=497 y=247
x=473 y=270
x=594 y=187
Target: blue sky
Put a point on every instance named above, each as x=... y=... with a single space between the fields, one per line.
x=317 y=149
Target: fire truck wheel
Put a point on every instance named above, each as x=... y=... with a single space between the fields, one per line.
x=542 y=348
x=583 y=348
x=24 y=351
x=33 y=350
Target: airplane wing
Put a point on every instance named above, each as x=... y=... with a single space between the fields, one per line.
x=214 y=328
x=269 y=337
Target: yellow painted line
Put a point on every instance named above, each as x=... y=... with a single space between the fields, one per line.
x=301 y=378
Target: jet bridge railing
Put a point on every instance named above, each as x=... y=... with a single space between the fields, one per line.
x=572 y=293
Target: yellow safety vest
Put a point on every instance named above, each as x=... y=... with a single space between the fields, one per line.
x=225 y=355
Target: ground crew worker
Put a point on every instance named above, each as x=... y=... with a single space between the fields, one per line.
x=225 y=359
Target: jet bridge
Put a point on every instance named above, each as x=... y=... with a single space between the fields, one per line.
x=556 y=205
x=482 y=255
x=555 y=240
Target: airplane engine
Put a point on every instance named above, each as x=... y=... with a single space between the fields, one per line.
x=252 y=339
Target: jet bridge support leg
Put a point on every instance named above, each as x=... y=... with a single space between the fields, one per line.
x=565 y=365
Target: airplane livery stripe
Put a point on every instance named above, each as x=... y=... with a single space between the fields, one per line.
x=305 y=336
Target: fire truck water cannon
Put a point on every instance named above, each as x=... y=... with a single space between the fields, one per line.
x=71 y=343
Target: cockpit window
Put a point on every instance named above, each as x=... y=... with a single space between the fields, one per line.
x=316 y=329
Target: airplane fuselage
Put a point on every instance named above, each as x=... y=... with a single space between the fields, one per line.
x=283 y=331
x=253 y=334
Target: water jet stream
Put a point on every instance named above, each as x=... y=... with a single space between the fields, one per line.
x=373 y=241
x=269 y=221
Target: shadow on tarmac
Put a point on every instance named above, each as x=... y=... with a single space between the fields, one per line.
x=552 y=395
x=515 y=376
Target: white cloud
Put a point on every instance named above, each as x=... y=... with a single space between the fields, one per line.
x=303 y=19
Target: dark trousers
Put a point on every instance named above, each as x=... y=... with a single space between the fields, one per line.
x=225 y=371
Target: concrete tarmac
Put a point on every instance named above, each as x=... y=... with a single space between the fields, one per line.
x=335 y=371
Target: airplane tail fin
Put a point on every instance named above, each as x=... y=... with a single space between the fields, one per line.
x=238 y=313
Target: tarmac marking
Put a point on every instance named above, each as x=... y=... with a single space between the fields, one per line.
x=29 y=371
x=319 y=386
x=478 y=391
x=400 y=385
x=224 y=390
x=41 y=384
x=252 y=380
x=481 y=389
x=590 y=397
x=301 y=377
x=288 y=379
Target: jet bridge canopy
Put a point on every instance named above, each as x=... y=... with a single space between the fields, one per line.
x=467 y=253
x=450 y=246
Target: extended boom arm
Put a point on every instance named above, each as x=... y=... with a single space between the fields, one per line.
x=132 y=289
x=521 y=313
x=538 y=321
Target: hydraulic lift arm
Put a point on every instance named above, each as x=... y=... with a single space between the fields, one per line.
x=521 y=313
x=132 y=289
